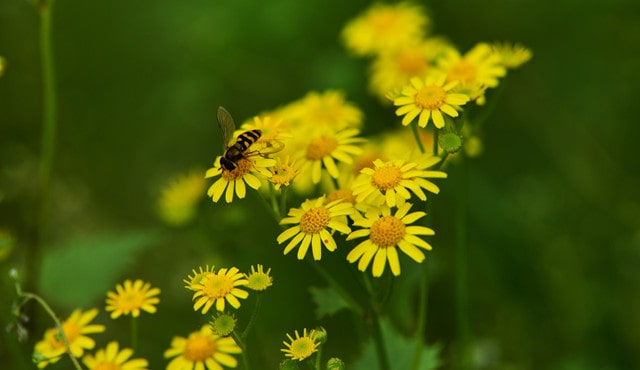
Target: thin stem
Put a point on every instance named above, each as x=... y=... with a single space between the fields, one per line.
x=462 y=267
x=381 y=350
x=134 y=333
x=318 y=359
x=49 y=123
x=283 y=201
x=274 y=200
x=26 y=297
x=416 y=135
x=256 y=308
x=240 y=342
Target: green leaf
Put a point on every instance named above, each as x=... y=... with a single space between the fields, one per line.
x=400 y=350
x=78 y=272
x=327 y=301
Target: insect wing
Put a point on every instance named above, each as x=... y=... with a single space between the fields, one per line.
x=226 y=124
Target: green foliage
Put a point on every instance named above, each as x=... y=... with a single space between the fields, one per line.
x=79 y=271
x=400 y=350
x=327 y=301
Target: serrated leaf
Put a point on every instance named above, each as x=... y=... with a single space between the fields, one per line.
x=77 y=272
x=327 y=301
x=400 y=351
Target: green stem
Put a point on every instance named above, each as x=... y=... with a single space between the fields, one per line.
x=283 y=201
x=318 y=359
x=274 y=199
x=49 y=115
x=462 y=267
x=26 y=297
x=254 y=314
x=240 y=342
x=416 y=135
x=381 y=350
x=134 y=333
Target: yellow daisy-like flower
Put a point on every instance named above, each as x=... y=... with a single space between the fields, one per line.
x=193 y=281
x=390 y=182
x=328 y=109
x=385 y=232
x=479 y=66
x=202 y=350
x=75 y=328
x=219 y=288
x=112 y=358
x=259 y=280
x=313 y=220
x=237 y=179
x=394 y=69
x=322 y=151
x=273 y=130
x=511 y=55
x=178 y=201
x=283 y=172
x=384 y=27
x=301 y=347
x=429 y=98
x=130 y=298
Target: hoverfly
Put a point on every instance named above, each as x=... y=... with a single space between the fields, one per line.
x=237 y=151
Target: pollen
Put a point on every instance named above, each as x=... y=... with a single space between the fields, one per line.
x=314 y=220
x=387 y=231
x=430 y=97
x=463 y=71
x=217 y=286
x=387 y=177
x=321 y=147
x=243 y=168
x=199 y=348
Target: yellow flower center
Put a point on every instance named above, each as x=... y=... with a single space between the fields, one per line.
x=345 y=194
x=199 y=347
x=302 y=348
x=283 y=173
x=106 y=366
x=387 y=231
x=259 y=281
x=217 y=286
x=387 y=177
x=411 y=63
x=321 y=147
x=314 y=220
x=243 y=168
x=464 y=72
x=430 y=97
x=130 y=300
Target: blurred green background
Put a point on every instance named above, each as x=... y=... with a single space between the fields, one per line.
x=554 y=206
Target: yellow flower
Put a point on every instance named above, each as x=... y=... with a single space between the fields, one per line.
x=393 y=69
x=283 y=172
x=178 y=201
x=313 y=220
x=301 y=347
x=390 y=182
x=202 y=350
x=52 y=347
x=511 y=55
x=428 y=98
x=130 y=298
x=218 y=288
x=385 y=232
x=259 y=280
x=111 y=358
x=479 y=66
x=237 y=178
x=194 y=280
x=323 y=150
x=384 y=27
x=328 y=109
x=273 y=130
